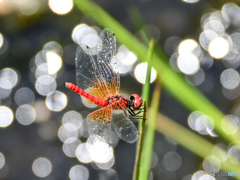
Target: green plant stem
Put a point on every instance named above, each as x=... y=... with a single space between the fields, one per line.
x=150 y=132
x=137 y=166
x=146 y=89
x=141 y=123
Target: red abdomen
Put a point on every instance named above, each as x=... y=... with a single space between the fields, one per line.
x=96 y=100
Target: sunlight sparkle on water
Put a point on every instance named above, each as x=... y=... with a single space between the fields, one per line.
x=234 y=154
x=201 y=123
x=230 y=124
x=76 y=31
x=1 y=40
x=218 y=48
x=99 y=150
x=206 y=177
x=42 y=167
x=211 y=164
x=54 y=47
x=82 y=153
x=197 y=175
x=219 y=150
x=126 y=56
x=25 y=114
x=2 y=160
x=28 y=7
x=6 y=116
x=106 y=165
x=188 y=46
x=72 y=117
x=4 y=93
x=172 y=161
x=65 y=132
x=215 y=26
x=188 y=63
x=79 y=172
x=108 y=174
x=230 y=78
x=45 y=85
x=70 y=146
x=85 y=35
x=206 y=38
x=8 y=78
x=140 y=73
x=196 y=78
x=61 y=6
x=54 y=62
x=24 y=96
x=56 y=101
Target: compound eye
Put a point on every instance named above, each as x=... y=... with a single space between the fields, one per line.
x=132 y=98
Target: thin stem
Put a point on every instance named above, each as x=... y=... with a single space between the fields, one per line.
x=150 y=132
x=137 y=166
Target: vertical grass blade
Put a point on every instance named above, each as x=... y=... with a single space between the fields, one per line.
x=141 y=123
x=149 y=133
x=146 y=86
x=137 y=166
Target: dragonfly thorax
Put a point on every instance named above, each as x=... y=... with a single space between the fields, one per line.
x=135 y=101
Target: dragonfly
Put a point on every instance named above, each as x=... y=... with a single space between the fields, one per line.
x=98 y=82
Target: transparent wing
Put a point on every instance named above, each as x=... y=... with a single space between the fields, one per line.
x=106 y=60
x=123 y=126
x=99 y=125
x=87 y=73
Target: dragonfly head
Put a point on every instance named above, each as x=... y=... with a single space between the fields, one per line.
x=137 y=101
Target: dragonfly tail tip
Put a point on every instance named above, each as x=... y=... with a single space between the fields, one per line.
x=68 y=85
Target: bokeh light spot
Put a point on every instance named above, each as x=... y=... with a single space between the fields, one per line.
x=218 y=48
x=28 y=7
x=65 y=132
x=188 y=46
x=82 y=153
x=61 y=6
x=230 y=124
x=188 y=63
x=206 y=37
x=45 y=85
x=25 y=114
x=108 y=174
x=99 y=150
x=106 y=165
x=234 y=154
x=8 y=78
x=211 y=164
x=24 y=96
x=1 y=40
x=56 y=101
x=140 y=73
x=70 y=146
x=230 y=78
x=6 y=116
x=79 y=172
x=172 y=161
x=2 y=160
x=72 y=117
x=42 y=167
x=54 y=62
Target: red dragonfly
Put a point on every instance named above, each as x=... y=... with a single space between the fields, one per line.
x=98 y=82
